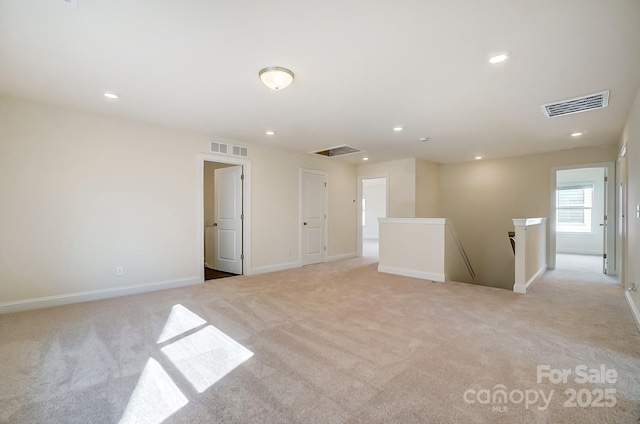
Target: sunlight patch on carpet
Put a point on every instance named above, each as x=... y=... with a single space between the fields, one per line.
x=206 y=356
x=203 y=358
x=155 y=398
x=180 y=321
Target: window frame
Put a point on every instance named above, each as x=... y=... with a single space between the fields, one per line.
x=566 y=228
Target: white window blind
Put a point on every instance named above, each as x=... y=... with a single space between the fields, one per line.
x=574 y=207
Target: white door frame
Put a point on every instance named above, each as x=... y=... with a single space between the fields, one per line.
x=611 y=213
x=246 y=206
x=359 y=205
x=301 y=218
x=621 y=215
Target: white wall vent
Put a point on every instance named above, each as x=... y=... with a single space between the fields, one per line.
x=240 y=151
x=219 y=147
x=337 y=151
x=577 y=105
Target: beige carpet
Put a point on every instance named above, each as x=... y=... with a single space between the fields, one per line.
x=327 y=343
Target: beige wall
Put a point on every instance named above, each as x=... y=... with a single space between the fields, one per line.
x=401 y=176
x=483 y=197
x=413 y=247
x=275 y=220
x=427 y=189
x=84 y=193
x=631 y=173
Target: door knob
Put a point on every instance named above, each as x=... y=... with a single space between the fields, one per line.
x=304 y=223
x=215 y=224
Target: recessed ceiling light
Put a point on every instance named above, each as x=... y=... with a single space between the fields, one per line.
x=478 y=157
x=270 y=132
x=576 y=134
x=423 y=139
x=501 y=57
x=397 y=129
x=365 y=158
x=111 y=96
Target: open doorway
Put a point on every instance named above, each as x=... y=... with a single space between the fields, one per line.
x=582 y=205
x=222 y=220
x=224 y=216
x=374 y=206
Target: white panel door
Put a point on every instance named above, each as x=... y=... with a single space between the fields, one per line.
x=228 y=219
x=313 y=217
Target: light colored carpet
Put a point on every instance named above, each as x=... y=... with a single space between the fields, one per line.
x=582 y=263
x=328 y=343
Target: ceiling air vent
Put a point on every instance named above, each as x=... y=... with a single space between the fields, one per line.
x=577 y=105
x=337 y=151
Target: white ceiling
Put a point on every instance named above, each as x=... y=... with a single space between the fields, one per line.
x=361 y=67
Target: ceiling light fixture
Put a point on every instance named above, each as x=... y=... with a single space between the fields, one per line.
x=270 y=132
x=478 y=157
x=498 y=58
x=275 y=77
x=111 y=96
x=576 y=134
x=423 y=139
x=365 y=158
x=397 y=129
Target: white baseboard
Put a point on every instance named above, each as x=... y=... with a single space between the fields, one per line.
x=274 y=268
x=341 y=257
x=580 y=252
x=432 y=276
x=634 y=309
x=524 y=288
x=65 y=299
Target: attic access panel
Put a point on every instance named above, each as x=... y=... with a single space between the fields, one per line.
x=337 y=151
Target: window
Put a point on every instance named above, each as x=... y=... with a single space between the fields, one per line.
x=364 y=211
x=574 y=205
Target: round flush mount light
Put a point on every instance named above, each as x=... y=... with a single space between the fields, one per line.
x=276 y=77
x=111 y=96
x=424 y=139
x=365 y=158
x=498 y=58
x=270 y=132
x=397 y=129
x=576 y=134
x=478 y=157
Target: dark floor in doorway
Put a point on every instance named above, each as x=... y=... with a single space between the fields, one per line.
x=213 y=274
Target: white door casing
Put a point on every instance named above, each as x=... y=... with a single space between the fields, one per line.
x=604 y=225
x=608 y=236
x=313 y=216
x=228 y=220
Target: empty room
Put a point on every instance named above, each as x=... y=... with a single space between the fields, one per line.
x=316 y=212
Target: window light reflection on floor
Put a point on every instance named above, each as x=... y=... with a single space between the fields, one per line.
x=206 y=356
x=180 y=321
x=155 y=398
x=203 y=358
